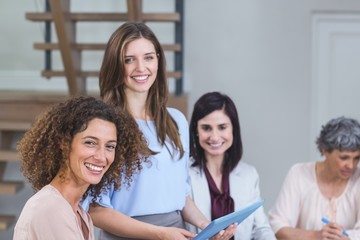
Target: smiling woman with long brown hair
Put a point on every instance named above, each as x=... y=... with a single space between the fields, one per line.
x=133 y=77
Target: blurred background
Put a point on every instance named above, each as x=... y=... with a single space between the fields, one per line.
x=288 y=65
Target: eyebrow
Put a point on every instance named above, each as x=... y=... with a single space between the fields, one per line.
x=95 y=138
x=220 y=124
x=150 y=53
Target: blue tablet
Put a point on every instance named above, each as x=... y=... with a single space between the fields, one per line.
x=223 y=222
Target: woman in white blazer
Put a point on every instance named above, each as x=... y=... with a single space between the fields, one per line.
x=220 y=182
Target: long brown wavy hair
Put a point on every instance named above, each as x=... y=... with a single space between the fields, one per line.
x=112 y=86
x=45 y=148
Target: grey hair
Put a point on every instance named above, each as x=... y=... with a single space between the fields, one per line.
x=341 y=134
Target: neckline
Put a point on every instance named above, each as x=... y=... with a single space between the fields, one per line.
x=143 y=120
x=321 y=193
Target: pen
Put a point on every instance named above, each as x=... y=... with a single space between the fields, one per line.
x=326 y=221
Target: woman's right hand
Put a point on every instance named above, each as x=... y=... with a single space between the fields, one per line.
x=332 y=231
x=173 y=233
x=226 y=233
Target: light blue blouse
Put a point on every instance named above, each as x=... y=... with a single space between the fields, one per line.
x=163 y=184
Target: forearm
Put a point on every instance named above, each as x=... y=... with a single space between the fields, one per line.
x=193 y=215
x=289 y=233
x=119 y=224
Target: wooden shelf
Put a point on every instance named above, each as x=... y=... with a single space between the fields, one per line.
x=8 y=156
x=5 y=222
x=85 y=74
x=96 y=46
x=10 y=187
x=105 y=17
x=14 y=126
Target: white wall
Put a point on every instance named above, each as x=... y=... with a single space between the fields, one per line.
x=257 y=52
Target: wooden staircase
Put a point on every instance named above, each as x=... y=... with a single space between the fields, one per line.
x=65 y=23
x=18 y=112
x=8 y=132
x=20 y=109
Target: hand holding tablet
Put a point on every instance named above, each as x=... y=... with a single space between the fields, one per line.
x=223 y=222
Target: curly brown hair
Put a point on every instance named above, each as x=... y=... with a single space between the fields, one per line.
x=45 y=148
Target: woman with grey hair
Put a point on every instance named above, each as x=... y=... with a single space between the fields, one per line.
x=321 y=200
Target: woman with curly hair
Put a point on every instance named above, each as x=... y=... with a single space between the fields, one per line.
x=72 y=151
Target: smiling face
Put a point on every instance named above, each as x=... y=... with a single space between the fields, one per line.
x=92 y=152
x=141 y=65
x=215 y=133
x=342 y=163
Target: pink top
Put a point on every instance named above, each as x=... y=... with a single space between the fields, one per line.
x=300 y=203
x=47 y=215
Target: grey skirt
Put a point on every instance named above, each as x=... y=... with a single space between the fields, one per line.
x=173 y=219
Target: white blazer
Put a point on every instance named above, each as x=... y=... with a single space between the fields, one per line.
x=244 y=189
